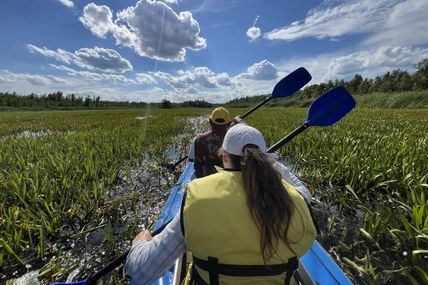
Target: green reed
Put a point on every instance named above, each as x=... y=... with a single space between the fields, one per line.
x=373 y=163
x=59 y=176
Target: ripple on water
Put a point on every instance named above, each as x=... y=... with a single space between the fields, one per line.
x=143 y=117
x=29 y=278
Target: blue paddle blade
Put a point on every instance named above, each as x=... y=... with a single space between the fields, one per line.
x=84 y=282
x=291 y=83
x=330 y=107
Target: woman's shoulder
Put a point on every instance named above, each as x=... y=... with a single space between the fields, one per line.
x=292 y=191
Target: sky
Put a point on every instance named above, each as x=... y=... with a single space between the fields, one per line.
x=212 y=50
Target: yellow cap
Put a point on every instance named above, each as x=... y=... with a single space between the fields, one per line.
x=220 y=116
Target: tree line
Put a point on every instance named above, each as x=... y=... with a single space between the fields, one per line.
x=57 y=100
x=393 y=81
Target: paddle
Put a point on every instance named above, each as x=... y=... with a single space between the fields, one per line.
x=284 y=88
x=92 y=279
x=326 y=110
x=172 y=166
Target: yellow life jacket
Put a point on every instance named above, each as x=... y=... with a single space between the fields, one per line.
x=218 y=228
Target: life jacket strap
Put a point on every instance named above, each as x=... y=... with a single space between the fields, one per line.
x=214 y=269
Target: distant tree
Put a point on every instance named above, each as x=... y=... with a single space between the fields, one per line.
x=386 y=83
x=165 y=104
x=405 y=82
x=420 y=78
x=196 y=103
x=338 y=82
x=365 y=86
x=422 y=67
x=88 y=101
x=354 y=84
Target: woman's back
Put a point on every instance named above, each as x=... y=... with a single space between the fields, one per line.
x=218 y=223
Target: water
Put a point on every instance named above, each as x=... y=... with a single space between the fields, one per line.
x=29 y=278
x=31 y=134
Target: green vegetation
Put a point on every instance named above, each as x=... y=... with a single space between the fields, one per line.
x=399 y=100
x=59 y=101
x=374 y=163
x=56 y=169
x=370 y=172
x=396 y=100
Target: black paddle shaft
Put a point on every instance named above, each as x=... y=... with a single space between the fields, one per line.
x=256 y=107
x=118 y=260
x=288 y=138
x=181 y=160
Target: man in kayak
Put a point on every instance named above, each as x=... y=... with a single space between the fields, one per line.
x=204 y=148
x=263 y=227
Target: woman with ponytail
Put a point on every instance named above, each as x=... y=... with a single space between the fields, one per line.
x=243 y=225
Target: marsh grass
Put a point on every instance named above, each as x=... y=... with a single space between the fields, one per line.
x=55 y=186
x=374 y=161
x=369 y=172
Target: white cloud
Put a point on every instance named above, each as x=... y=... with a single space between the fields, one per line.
x=223 y=79
x=144 y=78
x=253 y=33
x=5 y=79
x=407 y=24
x=103 y=59
x=67 y=3
x=98 y=19
x=82 y=84
x=106 y=60
x=59 y=54
x=201 y=83
x=196 y=84
x=348 y=17
x=369 y=63
x=55 y=79
x=150 y=27
x=191 y=90
x=201 y=77
x=211 y=6
x=383 y=59
x=92 y=75
x=34 y=79
x=263 y=70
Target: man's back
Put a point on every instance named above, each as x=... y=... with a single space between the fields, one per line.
x=204 y=149
x=206 y=153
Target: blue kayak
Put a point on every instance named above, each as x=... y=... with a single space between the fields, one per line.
x=316 y=267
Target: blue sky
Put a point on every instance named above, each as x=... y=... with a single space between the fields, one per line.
x=209 y=50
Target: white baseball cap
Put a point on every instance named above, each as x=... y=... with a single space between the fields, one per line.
x=239 y=136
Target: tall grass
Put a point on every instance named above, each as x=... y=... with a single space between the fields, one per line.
x=53 y=179
x=374 y=161
x=397 y=100
x=372 y=167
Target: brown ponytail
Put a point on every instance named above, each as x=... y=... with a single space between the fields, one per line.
x=269 y=202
